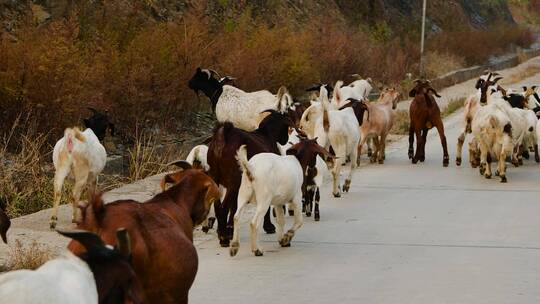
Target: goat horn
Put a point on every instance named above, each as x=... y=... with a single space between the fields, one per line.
x=124 y=242
x=214 y=72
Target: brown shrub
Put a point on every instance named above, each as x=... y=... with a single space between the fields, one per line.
x=138 y=69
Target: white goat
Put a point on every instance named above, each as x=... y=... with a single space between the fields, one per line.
x=66 y=279
x=518 y=120
x=471 y=105
x=492 y=130
x=244 y=109
x=268 y=179
x=82 y=152
x=338 y=129
x=358 y=89
x=69 y=279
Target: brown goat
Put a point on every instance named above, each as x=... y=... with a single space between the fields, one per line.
x=224 y=168
x=161 y=231
x=424 y=114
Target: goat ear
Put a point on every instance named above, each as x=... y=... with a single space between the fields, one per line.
x=199 y=69
x=291 y=151
x=412 y=92
x=533 y=88
x=524 y=88
x=434 y=92
x=478 y=84
x=123 y=242
x=497 y=79
x=91 y=241
x=315 y=87
x=182 y=164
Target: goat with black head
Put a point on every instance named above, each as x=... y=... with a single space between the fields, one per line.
x=424 y=114
x=242 y=109
x=102 y=274
x=99 y=123
x=483 y=83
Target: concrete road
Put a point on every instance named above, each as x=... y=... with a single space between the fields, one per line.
x=404 y=234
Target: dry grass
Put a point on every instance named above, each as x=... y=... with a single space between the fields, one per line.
x=25 y=174
x=146 y=158
x=438 y=64
x=27 y=257
x=401 y=124
x=452 y=106
x=530 y=71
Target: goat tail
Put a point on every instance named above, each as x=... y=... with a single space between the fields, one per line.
x=325 y=104
x=241 y=157
x=70 y=134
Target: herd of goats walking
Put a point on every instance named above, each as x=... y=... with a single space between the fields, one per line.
x=266 y=150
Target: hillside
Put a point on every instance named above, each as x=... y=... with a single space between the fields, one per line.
x=399 y=14
x=63 y=55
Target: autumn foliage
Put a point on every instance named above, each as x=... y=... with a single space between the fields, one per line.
x=138 y=69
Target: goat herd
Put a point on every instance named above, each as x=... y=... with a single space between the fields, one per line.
x=267 y=150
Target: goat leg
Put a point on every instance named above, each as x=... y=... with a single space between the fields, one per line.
x=268 y=227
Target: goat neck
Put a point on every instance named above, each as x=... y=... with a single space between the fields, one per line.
x=212 y=89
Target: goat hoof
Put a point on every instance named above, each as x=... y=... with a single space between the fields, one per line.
x=308 y=214
x=347 y=185
x=369 y=153
x=211 y=221
x=224 y=242
x=381 y=161
x=496 y=173
x=525 y=154
x=234 y=248
x=414 y=160
x=488 y=176
x=270 y=228
x=422 y=159
x=258 y=252
x=336 y=194
x=537 y=159
x=317 y=217
x=503 y=179
x=458 y=161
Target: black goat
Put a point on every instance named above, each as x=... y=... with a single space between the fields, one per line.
x=99 y=123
